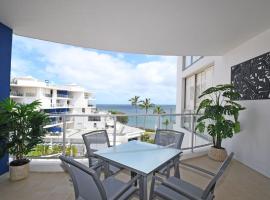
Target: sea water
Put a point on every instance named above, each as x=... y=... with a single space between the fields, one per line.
x=151 y=122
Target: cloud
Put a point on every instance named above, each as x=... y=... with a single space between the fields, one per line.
x=112 y=76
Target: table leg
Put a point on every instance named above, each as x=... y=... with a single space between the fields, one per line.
x=143 y=188
x=176 y=167
x=133 y=174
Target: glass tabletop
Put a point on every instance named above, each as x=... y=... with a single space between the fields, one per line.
x=138 y=156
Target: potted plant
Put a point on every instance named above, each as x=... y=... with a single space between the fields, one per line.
x=219 y=117
x=21 y=127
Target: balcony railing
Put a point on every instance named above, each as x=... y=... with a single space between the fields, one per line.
x=15 y=93
x=30 y=94
x=68 y=139
x=48 y=95
x=63 y=95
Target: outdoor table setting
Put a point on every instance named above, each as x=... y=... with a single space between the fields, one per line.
x=141 y=158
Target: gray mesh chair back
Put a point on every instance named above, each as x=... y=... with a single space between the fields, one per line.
x=87 y=185
x=176 y=188
x=94 y=141
x=209 y=190
x=169 y=138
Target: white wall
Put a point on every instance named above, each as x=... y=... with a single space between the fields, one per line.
x=252 y=145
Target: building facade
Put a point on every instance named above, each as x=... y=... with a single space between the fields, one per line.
x=66 y=99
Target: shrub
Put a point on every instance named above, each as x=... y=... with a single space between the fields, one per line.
x=146 y=137
x=121 y=119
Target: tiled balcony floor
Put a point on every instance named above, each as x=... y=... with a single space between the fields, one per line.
x=239 y=182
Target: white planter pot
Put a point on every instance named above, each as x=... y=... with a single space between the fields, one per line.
x=19 y=172
x=217 y=154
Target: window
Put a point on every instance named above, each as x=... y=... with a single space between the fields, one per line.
x=86 y=95
x=94 y=118
x=195 y=85
x=83 y=110
x=189 y=60
x=190 y=93
x=204 y=80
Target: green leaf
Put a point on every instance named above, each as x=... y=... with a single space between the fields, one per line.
x=237 y=127
x=200 y=127
x=234 y=103
x=231 y=95
x=204 y=104
x=211 y=130
x=218 y=88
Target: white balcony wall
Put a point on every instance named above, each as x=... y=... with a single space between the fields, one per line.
x=78 y=99
x=251 y=145
x=84 y=123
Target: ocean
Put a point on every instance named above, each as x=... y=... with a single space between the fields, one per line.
x=151 y=121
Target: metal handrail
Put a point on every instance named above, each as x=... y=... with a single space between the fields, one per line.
x=113 y=117
x=123 y=115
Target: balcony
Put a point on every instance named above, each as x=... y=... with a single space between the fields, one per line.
x=48 y=95
x=241 y=34
x=16 y=94
x=62 y=96
x=30 y=94
x=238 y=183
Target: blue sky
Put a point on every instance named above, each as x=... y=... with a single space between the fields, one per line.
x=114 y=77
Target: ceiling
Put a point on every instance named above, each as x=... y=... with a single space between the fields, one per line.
x=163 y=27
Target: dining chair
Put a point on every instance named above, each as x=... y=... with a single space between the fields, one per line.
x=88 y=186
x=175 y=188
x=171 y=139
x=96 y=140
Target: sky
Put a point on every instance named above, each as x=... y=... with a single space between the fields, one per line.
x=114 y=77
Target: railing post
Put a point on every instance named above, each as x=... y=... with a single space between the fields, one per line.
x=158 y=121
x=64 y=135
x=114 y=130
x=192 y=132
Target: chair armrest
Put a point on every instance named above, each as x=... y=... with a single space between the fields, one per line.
x=124 y=188
x=170 y=145
x=180 y=191
x=198 y=169
x=92 y=156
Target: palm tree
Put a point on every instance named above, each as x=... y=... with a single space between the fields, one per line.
x=146 y=105
x=158 y=110
x=166 y=123
x=134 y=102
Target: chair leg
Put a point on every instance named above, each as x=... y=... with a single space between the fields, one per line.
x=176 y=168
x=106 y=169
x=168 y=170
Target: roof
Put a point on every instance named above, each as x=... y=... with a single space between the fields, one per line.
x=175 y=27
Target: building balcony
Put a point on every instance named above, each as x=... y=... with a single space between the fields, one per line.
x=232 y=32
x=62 y=96
x=48 y=95
x=238 y=183
x=16 y=94
x=30 y=94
